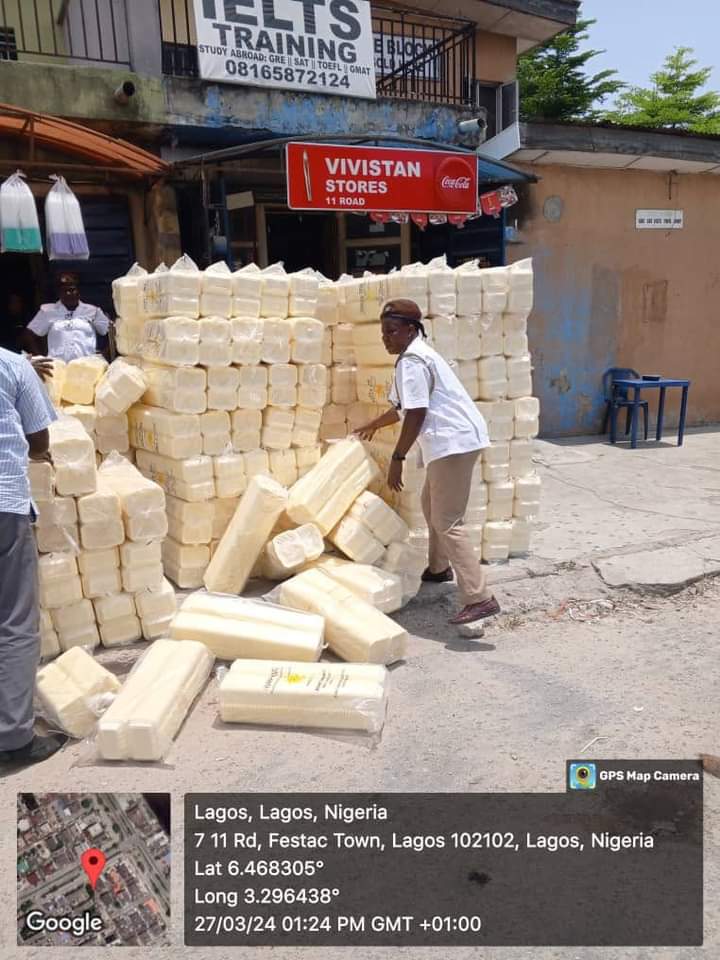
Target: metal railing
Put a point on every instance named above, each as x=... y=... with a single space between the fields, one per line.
x=179 y=40
x=424 y=58
x=78 y=30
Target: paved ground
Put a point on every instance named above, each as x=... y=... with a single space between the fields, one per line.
x=574 y=657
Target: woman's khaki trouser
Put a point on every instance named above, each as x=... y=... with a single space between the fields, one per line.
x=444 y=501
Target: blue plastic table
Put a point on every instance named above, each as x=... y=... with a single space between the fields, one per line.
x=637 y=386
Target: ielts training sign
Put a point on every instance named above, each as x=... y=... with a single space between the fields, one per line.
x=319 y=46
x=380 y=179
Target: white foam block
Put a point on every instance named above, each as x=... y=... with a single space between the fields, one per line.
x=382 y=589
x=66 y=689
x=184 y=565
x=289 y=551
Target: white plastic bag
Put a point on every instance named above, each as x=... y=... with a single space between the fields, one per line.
x=19 y=225
x=66 y=239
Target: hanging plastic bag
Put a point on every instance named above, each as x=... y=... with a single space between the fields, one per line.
x=19 y=225
x=66 y=237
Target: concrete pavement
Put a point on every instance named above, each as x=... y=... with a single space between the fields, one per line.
x=576 y=657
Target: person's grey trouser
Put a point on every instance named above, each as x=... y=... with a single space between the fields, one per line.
x=19 y=629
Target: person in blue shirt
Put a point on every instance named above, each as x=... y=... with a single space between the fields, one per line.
x=25 y=415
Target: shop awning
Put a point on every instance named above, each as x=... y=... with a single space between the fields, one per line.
x=490 y=172
x=92 y=149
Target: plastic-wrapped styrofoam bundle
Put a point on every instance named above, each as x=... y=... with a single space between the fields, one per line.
x=69 y=688
x=343 y=345
x=247 y=340
x=172 y=340
x=140 y=555
x=312 y=385
x=216 y=291
x=368 y=346
x=496 y=462
x=86 y=415
x=492 y=343
x=306 y=458
x=382 y=589
x=413 y=474
x=521 y=454
x=81 y=378
x=253 y=392
x=233 y=628
x=410 y=283
x=322 y=695
x=49 y=643
x=287 y=552
x=190 y=523
x=527 y=496
x=468 y=284
x=75 y=625
x=278 y=423
x=185 y=564
x=223 y=385
x=275 y=292
x=468 y=375
x=514 y=323
x=354 y=629
x=215 y=348
x=143 y=577
x=492 y=378
x=61 y=511
x=325 y=494
x=247 y=284
x=500 y=500
x=73 y=455
x=120 y=632
x=122 y=385
x=374 y=383
x=59 y=581
x=257 y=463
x=215 y=427
x=519 y=377
x=58 y=539
x=191 y=479
x=42 y=480
x=115 y=607
x=230 y=478
x=277 y=335
x=497 y=535
x=441 y=288
x=515 y=344
x=283 y=467
x=126 y=291
x=445 y=336
x=129 y=335
x=344 y=384
x=156 y=604
x=180 y=389
x=141 y=500
x=385 y=525
x=358 y=414
x=520 y=299
x=522 y=528
x=112 y=433
x=306 y=427
x=496 y=285
x=527 y=418
x=307 y=340
x=333 y=425
x=54 y=385
x=223 y=512
x=173 y=292
x=404 y=559
x=246 y=430
x=361 y=300
x=282 y=385
x=327 y=357
x=175 y=435
x=327 y=302
x=258 y=511
x=356 y=541
x=101 y=521
x=149 y=710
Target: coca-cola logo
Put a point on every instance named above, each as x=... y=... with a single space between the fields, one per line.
x=455 y=183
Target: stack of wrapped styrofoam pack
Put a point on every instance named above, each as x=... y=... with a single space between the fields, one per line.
x=237 y=378
x=98 y=533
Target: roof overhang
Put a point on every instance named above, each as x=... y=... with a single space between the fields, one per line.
x=616 y=148
x=531 y=21
x=87 y=149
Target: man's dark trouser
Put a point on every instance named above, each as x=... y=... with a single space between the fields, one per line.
x=19 y=629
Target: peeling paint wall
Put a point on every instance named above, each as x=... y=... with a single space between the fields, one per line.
x=608 y=294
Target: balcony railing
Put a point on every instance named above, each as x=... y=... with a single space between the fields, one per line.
x=92 y=31
x=416 y=57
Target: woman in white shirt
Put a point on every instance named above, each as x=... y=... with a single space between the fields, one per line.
x=437 y=411
x=70 y=326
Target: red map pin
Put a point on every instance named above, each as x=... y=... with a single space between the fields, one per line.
x=93 y=863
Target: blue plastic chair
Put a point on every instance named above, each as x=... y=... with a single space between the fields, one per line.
x=618 y=399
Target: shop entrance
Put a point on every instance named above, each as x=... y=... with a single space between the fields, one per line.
x=301 y=240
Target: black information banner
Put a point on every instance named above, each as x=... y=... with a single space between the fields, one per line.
x=616 y=860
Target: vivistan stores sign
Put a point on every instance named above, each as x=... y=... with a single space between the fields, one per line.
x=378 y=179
x=320 y=46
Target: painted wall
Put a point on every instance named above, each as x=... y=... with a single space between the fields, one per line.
x=610 y=295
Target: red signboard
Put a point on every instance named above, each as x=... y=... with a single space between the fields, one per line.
x=379 y=179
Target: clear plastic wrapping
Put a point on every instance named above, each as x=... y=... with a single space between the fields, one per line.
x=66 y=238
x=73 y=691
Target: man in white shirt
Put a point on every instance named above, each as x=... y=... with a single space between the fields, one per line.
x=437 y=412
x=70 y=326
